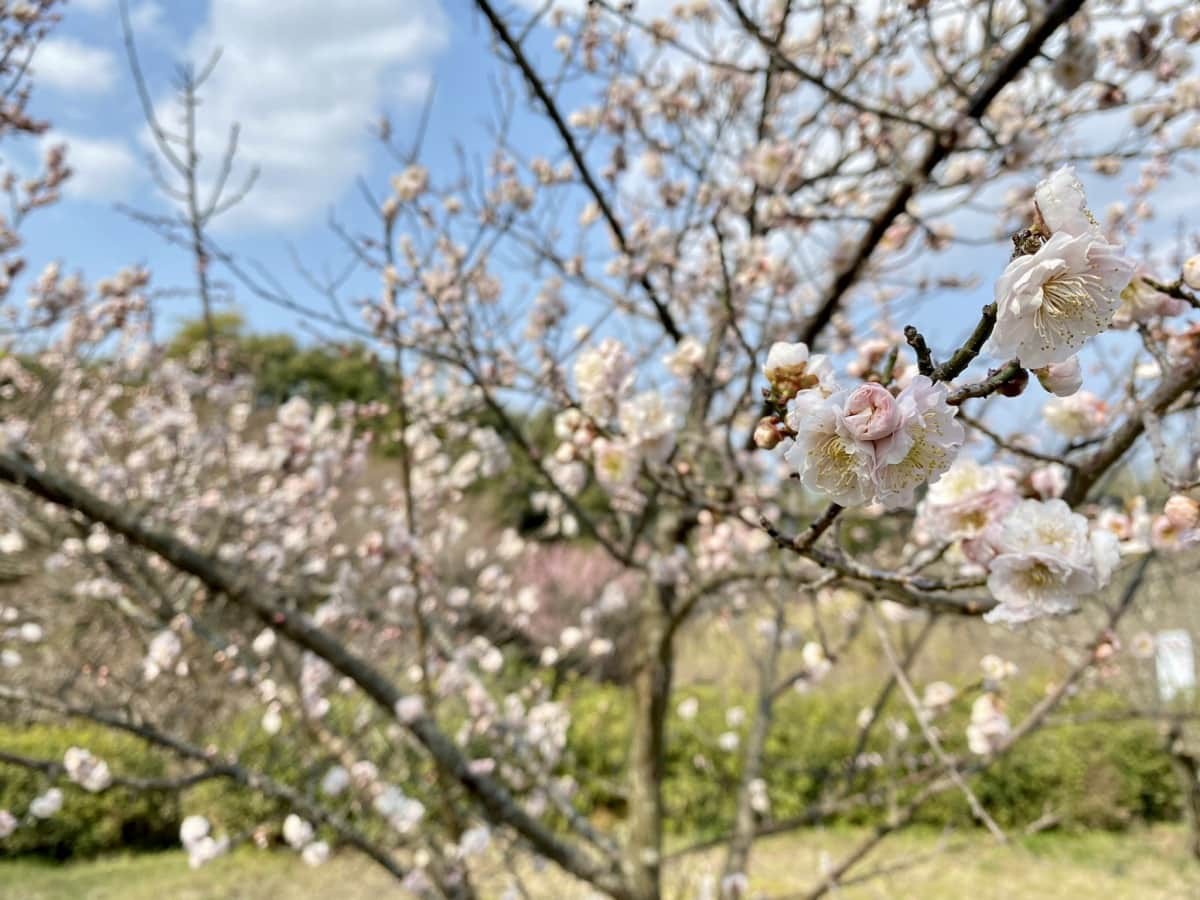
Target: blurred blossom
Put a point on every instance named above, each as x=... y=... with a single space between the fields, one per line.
x=989 y=727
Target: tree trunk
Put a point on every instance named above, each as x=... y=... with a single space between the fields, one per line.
x=1187 y=769
x=651 y=693
x=745 y=824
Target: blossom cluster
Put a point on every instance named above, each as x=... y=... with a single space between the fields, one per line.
x=1040 y=557
x=866 y=445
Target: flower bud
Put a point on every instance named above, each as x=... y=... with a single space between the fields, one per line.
x=1016 y=385
x=786 y=368
x=1182 y=512
x=790 y=369
x=1061 y=379
x=766 y=434
x=1049 y=481
x=871 y=413
x=1191 y=272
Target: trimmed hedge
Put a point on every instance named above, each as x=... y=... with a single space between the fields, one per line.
x=1101 y=775
x=88 y=823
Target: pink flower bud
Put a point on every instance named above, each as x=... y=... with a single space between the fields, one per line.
x=1182 y=512
x=1061 y=379
x=766 y=433
x=871 y=413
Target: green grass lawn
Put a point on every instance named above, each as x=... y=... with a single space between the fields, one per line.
x=1141 y=865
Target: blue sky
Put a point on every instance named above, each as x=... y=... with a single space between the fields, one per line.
x=305 y=79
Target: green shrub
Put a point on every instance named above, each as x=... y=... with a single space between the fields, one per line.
x=1099 y=775
x=88 y=823
x=812 y=736
x=230 y=807
x=233 y=809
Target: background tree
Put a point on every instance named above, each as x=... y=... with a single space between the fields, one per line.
x=742 y=439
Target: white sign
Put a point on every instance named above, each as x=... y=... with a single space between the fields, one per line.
x=1175 y=664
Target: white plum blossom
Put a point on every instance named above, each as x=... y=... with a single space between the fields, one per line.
x=272 y=719
x=192 y=829
x=1081 y=415
x=296 y=831
x=1141 y=302
x=205 y=850
x=315 y=854
x=263 y=643
x=938 y=696
x=966 y=499
x=685 y=358
x=996 y=669
x=200 y=845
x=492 y=660
x=474 y=841
x=161 y=654
x=616 y=463
x=687 y=708
x=8 y=823
x=866 y=445
x=295 y=414
x=1061 y=379
x=828 y=460
x=989 y=727
x=46 y=804
x=922 y=448
x=410 y=708
x=1131 y=526
x=1050 y=303
x=815 y=660
x=335 y=781
x=402 y=812
x=410 y=183
x=98 y=542
x=88 y=771
x=1061 y=205
x=649 y=424
x=1046 y=559
x=603 y=374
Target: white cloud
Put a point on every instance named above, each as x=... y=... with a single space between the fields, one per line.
x=144 y=17
x=103 y=169
x=642 y=8
x=304 y=80
x=73 y=66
